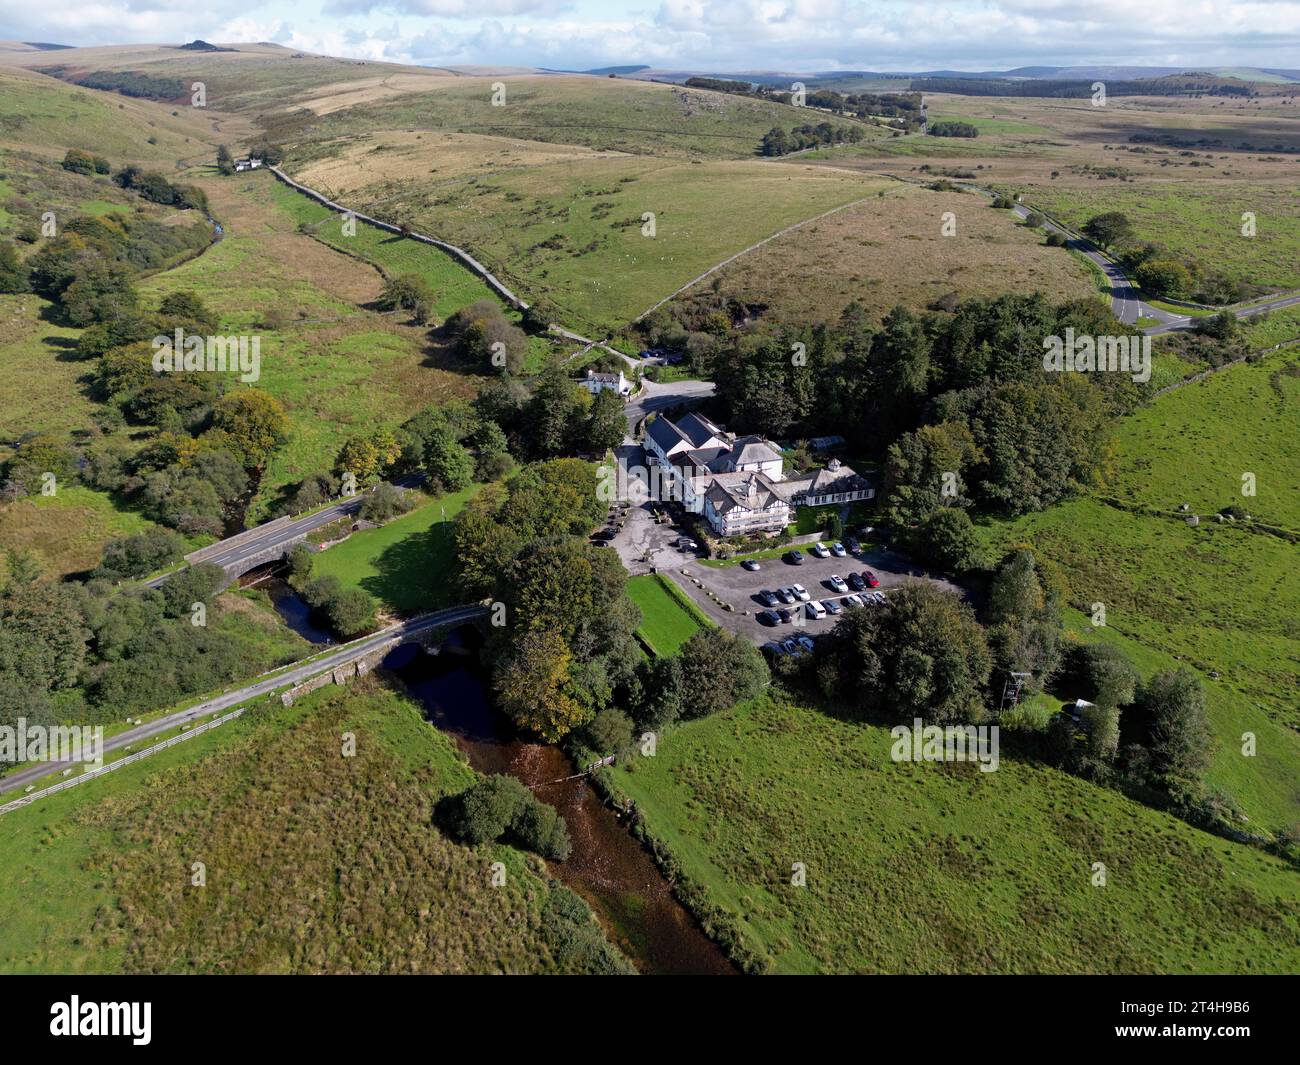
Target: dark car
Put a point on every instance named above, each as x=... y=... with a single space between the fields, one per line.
x=786 y=615
x=605 y=534
x=786 y=595
x=750 y=565
x=769 y=617
x=795 y=558
x=872 y=580
x=768 y=597
x=856 y=582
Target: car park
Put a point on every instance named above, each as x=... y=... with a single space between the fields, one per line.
x=795 y=558
x=837 y=549
x=800 y=592
x=837 y=583
x=814 y=610
x=819 y=551
x=832 y=606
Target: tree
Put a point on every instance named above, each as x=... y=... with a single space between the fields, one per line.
x=350 y=610
x=555 y=414
x=609 y=732
x=606 y=421
x=199 y=583
x=301 y=560
x=368 y=457
x=533 y=686
x=719 y=670
x=484 y=811
x=185 y=309
x=448 y=464
x=1164 y=277
x=140 y=555
x=946 y=539
x=919 y=654
x=99 y=291
x=1109 y=229
x=1105 y=674
x=408 y=292
x=386 y=502
x=225 y=161
x=1173 y=703
x=493 y=461
x=538 y=827
x=255 y=421
x=13 y=274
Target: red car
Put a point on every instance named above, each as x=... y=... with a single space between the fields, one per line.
x=872 y=580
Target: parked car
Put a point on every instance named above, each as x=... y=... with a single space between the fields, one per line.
x=853 y=601
x=800 y=592
x=805 y=642
x=786 y=615
x=877 y=597
x=856 y=582
x=837 y=549
x=786 y=595
x=819 y=550
x=687 y=544
x=768 y=597
x=872 y=580
x=795 y=558
x=772 y=649
x=605 y=534
x=832 y=606
x=814 y=610
x=853 y=544
x=790 y=646
x=837 y=583
x=769 y=617
x=750 y=565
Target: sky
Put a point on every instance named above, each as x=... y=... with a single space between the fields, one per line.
x=715 y=35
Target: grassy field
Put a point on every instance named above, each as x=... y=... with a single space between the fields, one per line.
x=571 y=231
x=67 y=531
x=404 y=564
x=1217 y=597
x=890 y=250
x=941 y=868
x=1198 y=220
x=666 y=622
x=294 y=837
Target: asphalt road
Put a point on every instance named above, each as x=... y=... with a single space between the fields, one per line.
x=653 y=397
x=194 y=714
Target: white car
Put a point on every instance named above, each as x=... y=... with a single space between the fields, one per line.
x=852 y=601
x=819 y=551
x=837 y=549
x=800 y=592
x=878 y=597
x=814 y=610
x=837 y=582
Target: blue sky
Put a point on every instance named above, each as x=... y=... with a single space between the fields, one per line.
x=791 y=35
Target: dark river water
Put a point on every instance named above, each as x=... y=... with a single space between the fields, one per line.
x=608 y=866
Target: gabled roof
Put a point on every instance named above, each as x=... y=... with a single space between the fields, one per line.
x=742 y=491
x=664 y=433
x=750 y=449
x=699 y=430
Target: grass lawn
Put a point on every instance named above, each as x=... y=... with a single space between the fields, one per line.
x=941 y=868
x=403 y=564
x=666 y=622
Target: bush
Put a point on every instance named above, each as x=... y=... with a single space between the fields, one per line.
x=140 y=555
x=386 y=502
x=499 y=807
x=720 y=670
x=609 y=732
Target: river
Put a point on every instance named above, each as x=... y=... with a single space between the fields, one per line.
x=608 y=867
